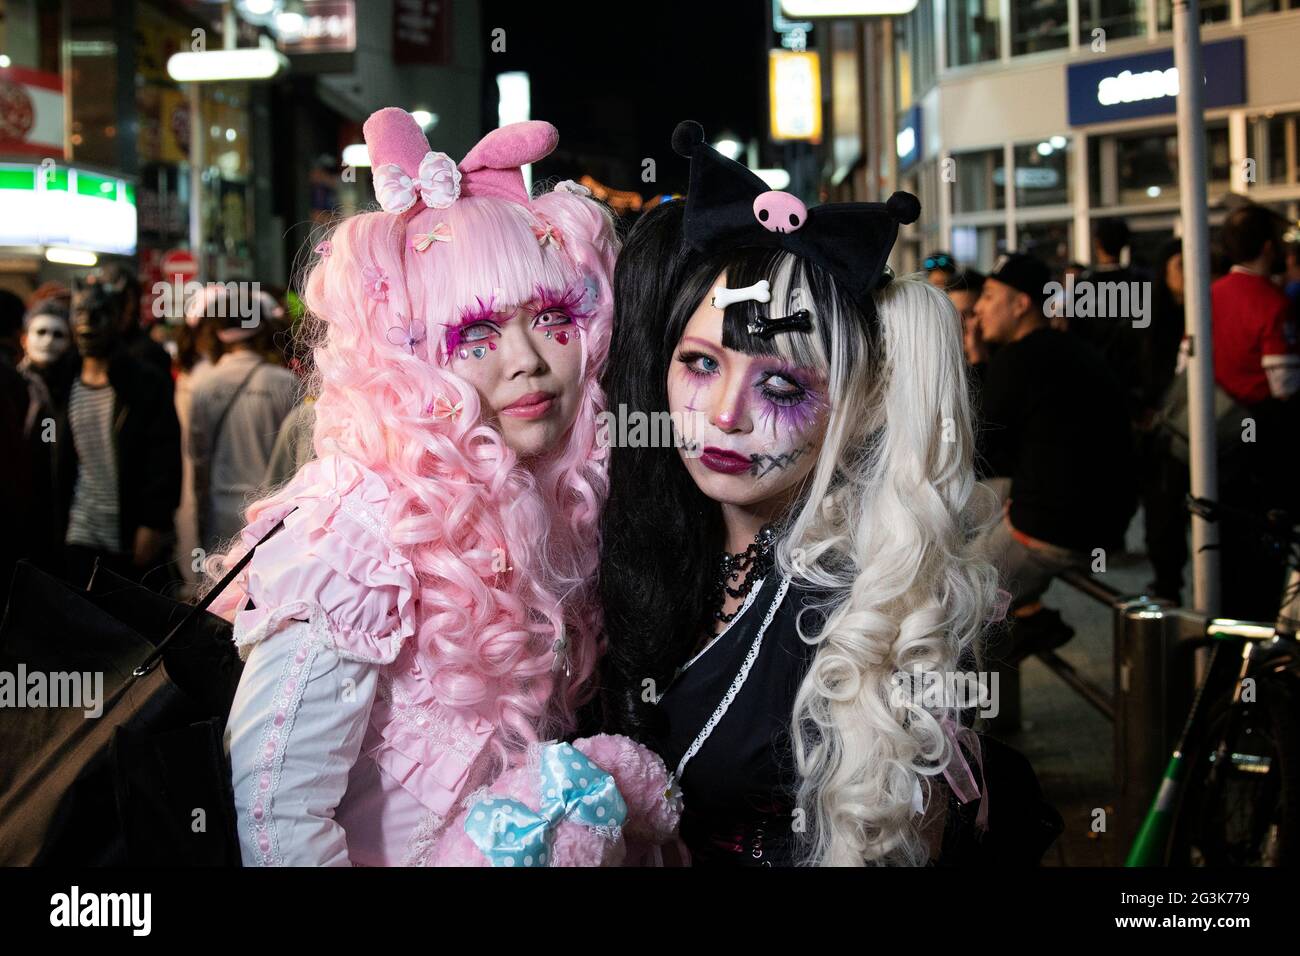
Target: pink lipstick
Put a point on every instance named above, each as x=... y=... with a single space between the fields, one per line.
x=532 y=405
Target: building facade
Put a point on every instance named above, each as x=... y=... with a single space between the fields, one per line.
x=1020 y=122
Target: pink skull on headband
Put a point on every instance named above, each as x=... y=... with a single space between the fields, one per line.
x=406 y=170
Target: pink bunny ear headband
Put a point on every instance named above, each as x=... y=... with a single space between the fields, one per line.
x=407 y=172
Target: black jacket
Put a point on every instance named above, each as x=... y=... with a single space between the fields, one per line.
x=1053 y=420
x=147 y=438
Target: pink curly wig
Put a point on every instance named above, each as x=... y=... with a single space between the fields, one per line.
x=506 y=552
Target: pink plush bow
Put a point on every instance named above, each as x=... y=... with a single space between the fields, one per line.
x=406 y=169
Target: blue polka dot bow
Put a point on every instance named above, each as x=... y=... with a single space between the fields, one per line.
x=572 y=787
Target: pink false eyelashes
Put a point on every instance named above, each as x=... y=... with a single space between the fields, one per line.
x=577 y=302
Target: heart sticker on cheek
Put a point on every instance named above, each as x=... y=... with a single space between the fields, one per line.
x=562 y=337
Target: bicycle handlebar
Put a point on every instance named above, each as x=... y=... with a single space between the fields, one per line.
x=1276 y=524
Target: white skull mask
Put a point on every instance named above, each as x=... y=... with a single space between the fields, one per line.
x=47 y=339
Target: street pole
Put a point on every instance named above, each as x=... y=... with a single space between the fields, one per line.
x=1192 y=185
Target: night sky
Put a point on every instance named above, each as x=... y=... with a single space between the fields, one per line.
x=616 y=78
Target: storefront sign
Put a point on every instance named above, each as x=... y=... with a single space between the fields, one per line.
x=324 y=26
x=31 y=113
x=1029 y=177
x=1129 y=87
x=795 y=88
x=55 y=205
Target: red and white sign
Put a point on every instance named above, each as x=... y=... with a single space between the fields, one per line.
x=179 y=264
x=31 y=113
x=328 y=26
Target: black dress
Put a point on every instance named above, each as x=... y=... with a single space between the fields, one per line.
x=738 y=787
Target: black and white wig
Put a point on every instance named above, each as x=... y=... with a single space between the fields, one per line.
x=885 y=523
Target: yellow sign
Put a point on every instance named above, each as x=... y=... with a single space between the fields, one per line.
x=795 y=93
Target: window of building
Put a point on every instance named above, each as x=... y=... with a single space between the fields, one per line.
x=92 y=73
x=1049 y=241
x=1038 y=25
x=1212 y=11
x=921 y=237
x=914 y=54
x=1250 y=8
x=1273 y=143
x=972 y=31
x=978 y=246
x=1043 y=172
x=980 y=183
x=1118 y=18
x=1148 y=236
x=1141 y=168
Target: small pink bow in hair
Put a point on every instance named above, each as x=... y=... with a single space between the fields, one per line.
x=547 y=233
x=439 y=233
x=324 y=248
x=440 y=407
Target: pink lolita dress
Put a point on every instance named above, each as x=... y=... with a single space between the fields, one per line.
x=341 y=753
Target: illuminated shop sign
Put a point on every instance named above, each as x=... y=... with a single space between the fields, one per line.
x=1029 y=177
x=1129 y=87
x=55 y=205
x=794 y=86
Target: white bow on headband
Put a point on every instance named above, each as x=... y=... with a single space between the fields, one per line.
x=437 y=182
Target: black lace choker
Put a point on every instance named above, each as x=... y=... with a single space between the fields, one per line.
x=747 y=568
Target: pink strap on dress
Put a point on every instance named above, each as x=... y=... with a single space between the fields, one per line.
x=967 y=789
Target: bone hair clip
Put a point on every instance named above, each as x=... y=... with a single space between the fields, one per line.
x=760 y=291
x=765 y=328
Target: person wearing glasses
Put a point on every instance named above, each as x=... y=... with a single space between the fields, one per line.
x=939 y=269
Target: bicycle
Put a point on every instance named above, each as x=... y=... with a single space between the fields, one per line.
x=1230 y=795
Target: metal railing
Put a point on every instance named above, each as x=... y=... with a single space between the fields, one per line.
x=1153 y=682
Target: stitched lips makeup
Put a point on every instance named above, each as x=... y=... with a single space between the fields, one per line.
x=532 y=405
x=721 y=460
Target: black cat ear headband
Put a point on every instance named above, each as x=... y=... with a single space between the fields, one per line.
x=728 y=207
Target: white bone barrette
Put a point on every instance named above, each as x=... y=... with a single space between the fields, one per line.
x=760 y=291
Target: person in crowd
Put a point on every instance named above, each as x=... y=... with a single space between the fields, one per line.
x=197 y=350
x=293 y=445
x=236 y=410
x=132 y=338
x=1163 y=477
x=1054 y=442
x=1117 y=337
x=1257 y=362
x=118 y=459
x=939 y=269
x=50 y=365
x=1291 y=278
x=964 y=291
x=1056 y=312
x=15 y=405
